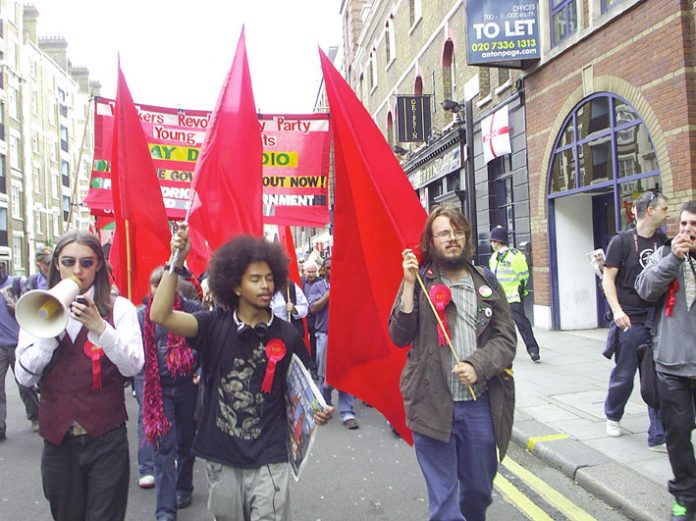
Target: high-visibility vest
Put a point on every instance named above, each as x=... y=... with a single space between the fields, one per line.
x=511 y=270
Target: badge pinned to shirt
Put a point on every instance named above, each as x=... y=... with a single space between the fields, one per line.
x=485 y=291
x=488 y=312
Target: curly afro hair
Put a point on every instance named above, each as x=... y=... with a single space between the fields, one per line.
x=230 y=261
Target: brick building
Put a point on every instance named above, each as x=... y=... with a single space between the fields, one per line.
x=609 y=115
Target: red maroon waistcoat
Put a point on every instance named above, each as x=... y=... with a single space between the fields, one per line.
x=67 y=394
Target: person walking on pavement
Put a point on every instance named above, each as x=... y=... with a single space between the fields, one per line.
x=82 y=416
x=669 y=279
x=9 y=335
x=169 y=405
x=510 y=268
x=310 y=277
x=627 y=254
x=319 y=305
x=458 y=412
x=245 y=354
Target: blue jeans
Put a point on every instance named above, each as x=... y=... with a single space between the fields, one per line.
x=622 y=376
x=146 y=464
x=459 y=473
x=173 y=458
x=345 y=400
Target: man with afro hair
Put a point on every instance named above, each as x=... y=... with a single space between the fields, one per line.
x=243 y=424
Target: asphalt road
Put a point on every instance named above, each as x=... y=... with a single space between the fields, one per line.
x=365 y=474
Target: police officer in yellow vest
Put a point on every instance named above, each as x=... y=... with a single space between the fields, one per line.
x=511 y=270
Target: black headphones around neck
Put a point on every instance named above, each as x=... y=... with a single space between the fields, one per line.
x=261 y=329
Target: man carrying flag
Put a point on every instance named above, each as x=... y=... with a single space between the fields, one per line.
x=464 y=412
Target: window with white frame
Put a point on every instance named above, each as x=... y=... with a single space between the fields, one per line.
x=37 y=178
x=448 y=91
x=414 y=11
x=17 y=253
x=564 y=19
x=54 y=183
x=14 y=152
x=56 y=222
x=38 y=221
x=13 y=101
x=390 y=40
x=16 y=201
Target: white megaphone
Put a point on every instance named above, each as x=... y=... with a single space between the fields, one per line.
x=44 y=314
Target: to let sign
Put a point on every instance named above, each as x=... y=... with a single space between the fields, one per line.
x=413 y=117
x=502 y=31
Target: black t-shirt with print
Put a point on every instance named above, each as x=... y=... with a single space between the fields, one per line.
x=629 y=252
x=241 y=426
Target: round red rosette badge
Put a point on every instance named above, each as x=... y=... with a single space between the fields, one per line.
x=94 y=353
x=441 y=296
x=275 y=352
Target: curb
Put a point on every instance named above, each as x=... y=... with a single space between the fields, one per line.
x=619 y=486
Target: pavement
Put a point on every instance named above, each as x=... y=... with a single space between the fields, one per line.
x=559 y=417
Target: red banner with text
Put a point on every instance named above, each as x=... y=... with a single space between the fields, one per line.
x=296 y=152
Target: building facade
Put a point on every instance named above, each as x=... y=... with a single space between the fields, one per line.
x=44 y=116
x=609 y=110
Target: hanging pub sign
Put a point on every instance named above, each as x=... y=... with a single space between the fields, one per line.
x=413 y=118
x=502 y=33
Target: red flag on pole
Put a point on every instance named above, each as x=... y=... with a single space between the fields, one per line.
x=377 y=214
x=141 y=239
x=227 y=181
x=285 y=238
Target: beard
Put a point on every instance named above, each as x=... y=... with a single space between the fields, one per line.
x=450 y=263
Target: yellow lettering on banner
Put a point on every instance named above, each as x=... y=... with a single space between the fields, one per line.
x=300 y=181
x=283 y=159
x=174 y=153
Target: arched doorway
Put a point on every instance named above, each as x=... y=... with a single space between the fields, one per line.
x=603 y=157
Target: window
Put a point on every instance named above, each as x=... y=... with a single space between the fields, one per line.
x=17 y=250
x=603 y=141
x=418 y=87
x=13 y=100
x=14 y=152
x=52 y=108
x=38 y=221
x=564 y=19
x=35 y=142
x=3 y=227
x=54 y=184
x=608 y=4
x=2 y=118
x=16 y=201
x=390 y=41
x=390 y=129
x=448 y=73
x=64 y=138
x=414 y=11
x=66 y=207
x=37 y=179
x=56 y=223
x=372 y=70
x=35 y=103
x=3 y=177
x=65 y=172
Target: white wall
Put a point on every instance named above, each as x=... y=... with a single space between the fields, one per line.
x=576 y=279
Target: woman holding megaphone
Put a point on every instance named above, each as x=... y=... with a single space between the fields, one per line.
x=82 y=413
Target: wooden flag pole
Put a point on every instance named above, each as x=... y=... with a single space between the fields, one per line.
x=442 y=328
x=76 y=181
x=128 y=260
x=288 y=299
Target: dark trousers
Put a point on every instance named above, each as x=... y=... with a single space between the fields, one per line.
x=622 y=377
x=677 y=400
x=173 y=458
x=28 y=395
x=86 y=479
x=525 y=327
x=146 y=451
x=459 y=473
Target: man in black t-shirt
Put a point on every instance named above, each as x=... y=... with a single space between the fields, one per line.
x=245 y=355
x=627 y=255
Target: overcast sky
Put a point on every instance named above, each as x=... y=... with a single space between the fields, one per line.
x=175 y=53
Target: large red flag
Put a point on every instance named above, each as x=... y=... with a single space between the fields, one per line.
x=377 y=214
x=227 y=182
x=141 y=241
x=285 y=238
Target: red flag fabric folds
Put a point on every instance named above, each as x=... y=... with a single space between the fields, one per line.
x=285 y=238
x=377 y=214
x=137 y=200
x=227 y=181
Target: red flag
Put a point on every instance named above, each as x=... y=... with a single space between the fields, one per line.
x=227 y=181
x=285 y=238
x=141 y=240
x=377 y=214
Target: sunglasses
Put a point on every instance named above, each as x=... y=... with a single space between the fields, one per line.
x=69 y=262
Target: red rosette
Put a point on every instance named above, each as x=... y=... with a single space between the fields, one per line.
x=94 y=353
x=441 y=296
x=275 y=352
